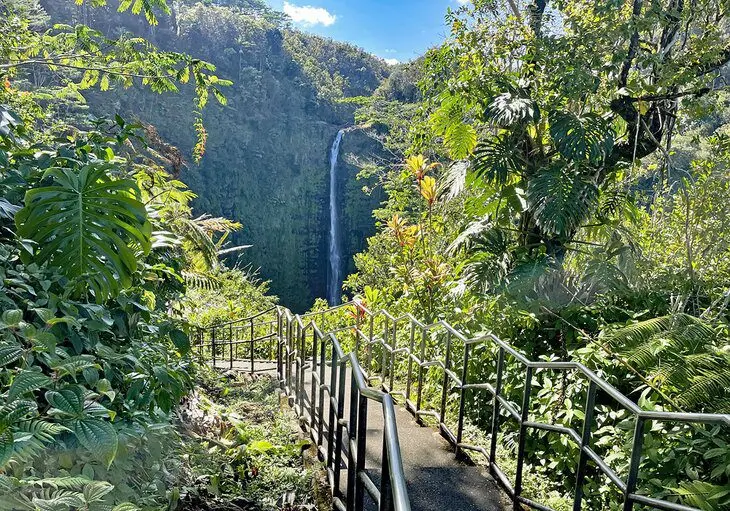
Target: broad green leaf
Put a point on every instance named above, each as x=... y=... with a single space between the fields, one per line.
x=560 y=200
x=68 y=401
x=15 y=411
x=460 y=139
x=12 y=318
x=126 y=506
x=98 y=436
x=9 y=353
x=27 y=381
x=6 y=445
x=89 y=225
x=180 y=340
x=588 y=137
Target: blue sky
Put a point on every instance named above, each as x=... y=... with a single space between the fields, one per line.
x=392 y=29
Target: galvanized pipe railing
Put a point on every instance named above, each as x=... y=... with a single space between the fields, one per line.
x=416 y=357
x=298 y=356
x=340 y=437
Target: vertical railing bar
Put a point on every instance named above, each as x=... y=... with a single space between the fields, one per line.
x=386 y=491
x=394 y=346
x=422 y=359
x=322 y=367
x=253 y=336
x=313 y=404
x=212 y=343
x=585 y=442
x=462 y=399
x=495 y=408
x=369 y=349
x=411 y=348
x=362 y=436
x=384 y=352
x=230 y=347
x=522 y=437
x=633 y=476
x=445 y=384
x=351 y=462
x=341 y=374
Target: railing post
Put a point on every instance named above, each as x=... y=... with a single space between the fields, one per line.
x=522 y=437
x=369 y=349
x=322 y=364
x=230 y=347
x=352 y=427
x=444 y=387
x=394 y=346
x=411 y=348
x=633 y=476
x=495 y=409
x=462 y=398
x=386 y=490
x=279 y=340
x=421 y=361
x=313 y=400
x=585 y=442
x=252 y=346
x=341 y=373
x=362 y=436
x=212 y=345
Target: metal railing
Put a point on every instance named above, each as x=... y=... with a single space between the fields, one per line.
x=401 y=368
x=334 y=413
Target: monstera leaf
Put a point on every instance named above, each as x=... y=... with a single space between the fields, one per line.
x=495 y=159
x=561 y=198
x=89 y=225
x=586 y=137
x=509 y=109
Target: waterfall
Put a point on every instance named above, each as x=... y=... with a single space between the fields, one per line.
x=334 y=277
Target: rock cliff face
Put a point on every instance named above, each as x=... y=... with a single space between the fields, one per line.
x=266 y=162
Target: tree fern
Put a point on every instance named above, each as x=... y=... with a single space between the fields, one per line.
x=680 y=353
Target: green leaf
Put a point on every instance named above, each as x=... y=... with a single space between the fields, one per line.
x=508 y=109
x=180 y=340
x=12 y=317
x=126 y=506
x=587 y=137
x=27 y=381
x=460 y=139
x=9 y=353
x=560 y=200
x=15 y=411
x=89 y=225
x=6 y=446
x=98 y=436
x=68 y=401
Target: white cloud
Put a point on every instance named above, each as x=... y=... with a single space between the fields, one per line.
x=309 y=15
x=462 y=2
x=392 y=62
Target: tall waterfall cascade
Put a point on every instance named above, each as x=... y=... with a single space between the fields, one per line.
x=334 y=276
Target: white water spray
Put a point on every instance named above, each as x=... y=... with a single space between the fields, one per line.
x=334 y=278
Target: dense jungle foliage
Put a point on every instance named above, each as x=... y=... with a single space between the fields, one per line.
x=564 y=184
x=555 y=173
x=102 y=265
x=267 y=156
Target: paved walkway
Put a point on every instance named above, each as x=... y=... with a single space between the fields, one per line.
x=436 y=480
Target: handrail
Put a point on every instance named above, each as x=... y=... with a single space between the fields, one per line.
x=631 y=496
x=392 y=494
x=343 y=438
